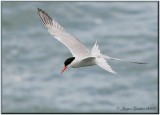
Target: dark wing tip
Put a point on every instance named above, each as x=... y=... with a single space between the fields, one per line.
x=39 y=11
x=44 y=17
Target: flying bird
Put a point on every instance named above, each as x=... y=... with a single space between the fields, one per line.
x=81 y=56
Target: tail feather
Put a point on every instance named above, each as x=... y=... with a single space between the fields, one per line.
x=106 y=57
x=101 y=62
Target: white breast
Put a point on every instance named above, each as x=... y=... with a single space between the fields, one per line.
x=90 y=61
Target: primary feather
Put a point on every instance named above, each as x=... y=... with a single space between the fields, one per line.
x=74 y=45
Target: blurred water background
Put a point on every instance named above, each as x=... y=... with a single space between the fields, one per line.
x=32 y=59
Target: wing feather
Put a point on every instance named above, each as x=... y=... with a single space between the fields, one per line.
x=74 y=45
x=104 y=65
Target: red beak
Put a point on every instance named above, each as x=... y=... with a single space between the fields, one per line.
x=63 y=69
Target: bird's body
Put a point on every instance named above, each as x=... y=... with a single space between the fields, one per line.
x=82 y=57
x=83 y=62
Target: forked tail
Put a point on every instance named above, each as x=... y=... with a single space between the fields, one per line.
x=96 y=52
x=106 y=57
x=102 y=60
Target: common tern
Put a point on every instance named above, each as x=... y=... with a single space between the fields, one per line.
x=81 y=55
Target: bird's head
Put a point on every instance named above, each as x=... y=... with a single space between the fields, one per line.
x=67 y=63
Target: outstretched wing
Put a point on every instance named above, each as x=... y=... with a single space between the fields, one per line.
x=103 y=64
x=77 y=49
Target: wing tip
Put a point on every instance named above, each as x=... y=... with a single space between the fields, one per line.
x=39 y=11
x=44 y=17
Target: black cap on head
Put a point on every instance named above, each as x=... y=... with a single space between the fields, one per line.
x=68 y=61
